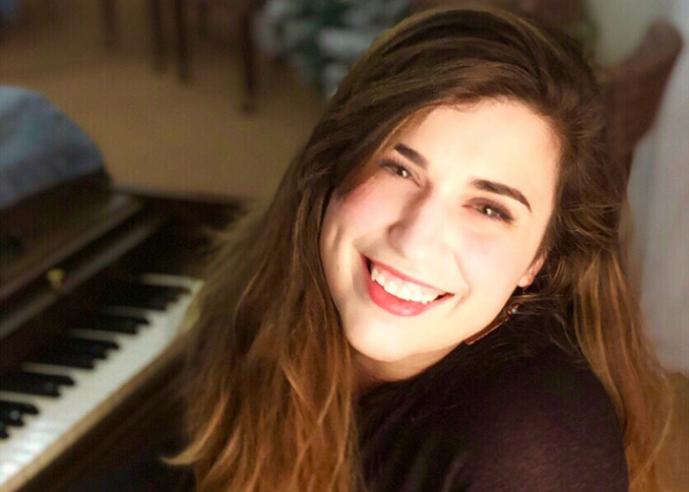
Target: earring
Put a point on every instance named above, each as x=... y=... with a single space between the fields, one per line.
x=509 y=310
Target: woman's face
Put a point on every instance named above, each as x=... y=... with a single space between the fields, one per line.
x=427 y=251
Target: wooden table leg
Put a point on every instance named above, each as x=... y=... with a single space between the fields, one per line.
x=203 y=13
x=248 y=50
x=158 y=38
x=183 y=53
x=112 y=32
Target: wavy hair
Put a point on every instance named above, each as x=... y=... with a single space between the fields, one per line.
x=271 y=392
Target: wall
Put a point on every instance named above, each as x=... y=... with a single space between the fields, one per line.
x=622 y=23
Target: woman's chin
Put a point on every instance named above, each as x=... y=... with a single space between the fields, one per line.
x=377 y=346
x=389 y=358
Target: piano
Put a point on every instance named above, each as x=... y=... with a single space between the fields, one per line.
x=97 y=289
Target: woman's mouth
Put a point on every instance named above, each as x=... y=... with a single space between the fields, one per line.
x=398 y=293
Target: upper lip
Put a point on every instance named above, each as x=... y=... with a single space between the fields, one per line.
x=404 y=276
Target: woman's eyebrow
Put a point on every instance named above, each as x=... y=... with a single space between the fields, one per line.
x=412 y=155
x=501 y=189
x=481 y=184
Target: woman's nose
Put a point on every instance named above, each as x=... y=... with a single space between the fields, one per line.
x=421 y=229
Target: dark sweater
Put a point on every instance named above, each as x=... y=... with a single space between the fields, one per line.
x=511 y=413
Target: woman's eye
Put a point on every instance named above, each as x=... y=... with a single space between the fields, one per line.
x=494 y=212
x=396 y=169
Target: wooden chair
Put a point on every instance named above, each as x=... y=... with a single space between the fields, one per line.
x=245 y=12
x=633 y=91
x=159 y=42
x=558 y=13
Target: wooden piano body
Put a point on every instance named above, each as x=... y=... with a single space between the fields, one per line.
x=72 y=258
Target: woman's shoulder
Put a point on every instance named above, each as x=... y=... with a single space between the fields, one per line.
x=534 y=423
x=542 y=383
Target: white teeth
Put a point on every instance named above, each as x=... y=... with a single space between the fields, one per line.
x=399 y=288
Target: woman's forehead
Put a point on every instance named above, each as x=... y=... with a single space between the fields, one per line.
x=415 y=131
x=491 y=130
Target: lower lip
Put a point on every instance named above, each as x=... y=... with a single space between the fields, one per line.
x=392 y=304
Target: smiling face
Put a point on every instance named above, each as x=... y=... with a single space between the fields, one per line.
x=427 y=251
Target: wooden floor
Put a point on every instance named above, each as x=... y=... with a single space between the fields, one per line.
x=156 y=132
x=675 y=453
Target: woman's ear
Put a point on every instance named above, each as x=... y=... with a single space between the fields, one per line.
x=530 y=274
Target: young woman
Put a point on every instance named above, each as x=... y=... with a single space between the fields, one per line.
x=435 y=299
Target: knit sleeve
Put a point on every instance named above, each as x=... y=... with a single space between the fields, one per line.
x=546 y=427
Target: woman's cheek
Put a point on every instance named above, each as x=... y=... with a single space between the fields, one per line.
x=369 y=204
x=487 y=259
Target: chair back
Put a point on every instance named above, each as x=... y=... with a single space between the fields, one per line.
x=633 y=91
x=556 y=13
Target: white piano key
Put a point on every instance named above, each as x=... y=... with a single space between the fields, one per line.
x=30 y=445
x=10 y=466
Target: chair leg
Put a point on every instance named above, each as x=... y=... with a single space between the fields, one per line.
x=183 y=53
x=112 y=32
x=203 y=13
x=248 y=49
x=159 y=49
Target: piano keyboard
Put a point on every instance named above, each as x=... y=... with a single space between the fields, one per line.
x=36 y=424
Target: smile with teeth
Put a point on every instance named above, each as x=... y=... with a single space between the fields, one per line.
x=402 y=289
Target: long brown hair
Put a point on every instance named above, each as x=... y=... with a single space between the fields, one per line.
x=271 y=389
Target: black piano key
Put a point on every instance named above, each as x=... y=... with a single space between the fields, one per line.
x=141 y=295
x=10 y=382
x=27 y=408
x=59 y=379
x=11 y=417
x=168 y=292
x=95 y=351
x=79 y=342
x=113 y=322
x=151 y=302
x=3 y=430
x=36 y=377
x=81 y=361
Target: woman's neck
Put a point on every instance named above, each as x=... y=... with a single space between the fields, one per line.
x=370 y=373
